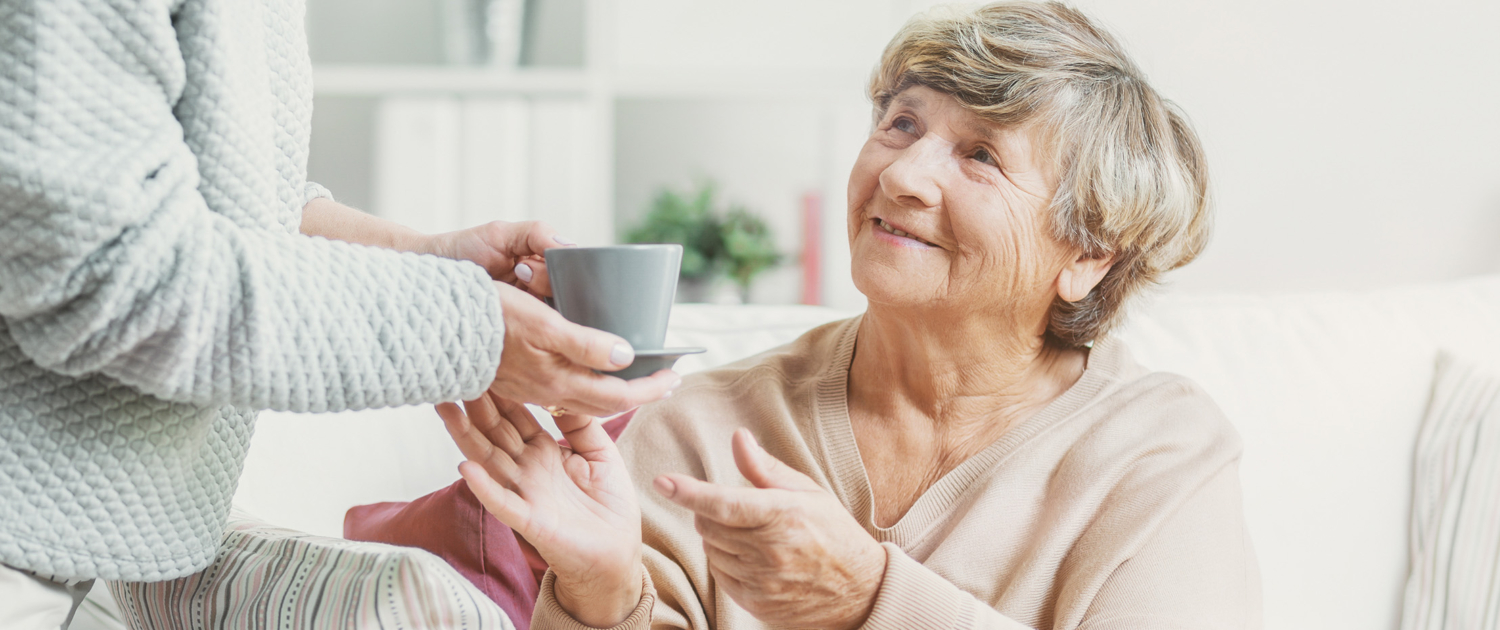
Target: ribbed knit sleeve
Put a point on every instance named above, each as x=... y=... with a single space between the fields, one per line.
x=549 y=615
x=912 y=597
x=314 y=190
x=113 y=262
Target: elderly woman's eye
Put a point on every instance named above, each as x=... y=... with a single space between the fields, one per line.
x=983 y=155
x=905 y=124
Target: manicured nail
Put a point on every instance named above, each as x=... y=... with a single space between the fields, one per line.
x=665 y=486
x=523 y=272
x=562 y=241
x=622 y=354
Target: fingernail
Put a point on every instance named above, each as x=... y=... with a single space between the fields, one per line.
x=666 y=395
x=562 y=241
x=665 y=486
x=675 y=384
x=622 y=354
x=523 y=272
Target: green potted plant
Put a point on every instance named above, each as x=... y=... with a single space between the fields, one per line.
x=731 y=243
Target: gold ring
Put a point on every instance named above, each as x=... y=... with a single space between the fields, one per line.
x=557 y=411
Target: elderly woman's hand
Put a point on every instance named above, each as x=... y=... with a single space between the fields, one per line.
x=785 y=550
x=576 y=505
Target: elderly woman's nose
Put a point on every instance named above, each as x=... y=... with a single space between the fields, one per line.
x=913 y=178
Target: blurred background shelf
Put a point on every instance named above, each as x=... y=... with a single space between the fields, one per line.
x=607 y=102
x=779 y=85
x=1322 y=178
x=376 y=80
x=372 y=80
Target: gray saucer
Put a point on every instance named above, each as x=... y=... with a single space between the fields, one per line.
x=648 y=362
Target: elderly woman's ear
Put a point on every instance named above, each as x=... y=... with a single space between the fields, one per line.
x=1081 y=275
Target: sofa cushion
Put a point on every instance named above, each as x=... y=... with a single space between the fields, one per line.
x=1327 y=392
x=1455 y=520
x=452 y=524
x=266 y=577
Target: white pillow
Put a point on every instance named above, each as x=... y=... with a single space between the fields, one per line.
x=1455 y=520
x=265 y=578
x=1327 y=391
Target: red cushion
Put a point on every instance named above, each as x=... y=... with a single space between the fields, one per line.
x=452 y=524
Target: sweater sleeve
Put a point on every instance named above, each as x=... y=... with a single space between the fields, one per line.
x=914 y=597
x=314 y=190
x=111 y=261
x=549 y=615
x=1197 y=572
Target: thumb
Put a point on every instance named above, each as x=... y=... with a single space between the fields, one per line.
x=589 y=347
x=765 y=471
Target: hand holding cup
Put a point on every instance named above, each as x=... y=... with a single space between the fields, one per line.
x=550 y=361
x=627 y=290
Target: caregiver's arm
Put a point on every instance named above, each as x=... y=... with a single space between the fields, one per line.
x=327 y=218
x=497 y=246
x=112 y=262
x=546 y=359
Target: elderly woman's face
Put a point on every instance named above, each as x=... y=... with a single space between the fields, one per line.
x=946 y=208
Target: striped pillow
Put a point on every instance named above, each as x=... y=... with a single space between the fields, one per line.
x=1455 y=523
x=266 y=577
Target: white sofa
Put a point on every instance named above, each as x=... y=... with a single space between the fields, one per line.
x=1326 y=389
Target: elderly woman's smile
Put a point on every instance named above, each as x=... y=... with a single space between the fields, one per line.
x=943 y=203
x=903 y=238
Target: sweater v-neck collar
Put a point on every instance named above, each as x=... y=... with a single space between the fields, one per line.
x=847 y=468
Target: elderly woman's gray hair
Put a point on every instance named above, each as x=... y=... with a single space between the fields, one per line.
x=1133 y=184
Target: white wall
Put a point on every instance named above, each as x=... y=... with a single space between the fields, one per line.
x=1353 y=144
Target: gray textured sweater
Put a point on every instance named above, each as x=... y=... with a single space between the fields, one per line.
x=154 y=290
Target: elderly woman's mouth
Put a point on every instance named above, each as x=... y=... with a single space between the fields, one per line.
x=911 y=239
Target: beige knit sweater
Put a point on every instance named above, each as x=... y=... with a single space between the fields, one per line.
x=1117 y=506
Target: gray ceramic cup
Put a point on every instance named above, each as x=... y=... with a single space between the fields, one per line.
x=622 y=289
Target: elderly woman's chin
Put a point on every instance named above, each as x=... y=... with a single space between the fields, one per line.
x=896 y=278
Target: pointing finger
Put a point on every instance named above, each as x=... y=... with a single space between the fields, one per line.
x=736 y=507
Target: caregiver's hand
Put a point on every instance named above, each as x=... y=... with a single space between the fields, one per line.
x=785 y=550
x=576 y=506
x=549 y=361
x=512 y=253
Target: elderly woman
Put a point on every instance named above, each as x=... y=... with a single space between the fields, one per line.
x=974 y=451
